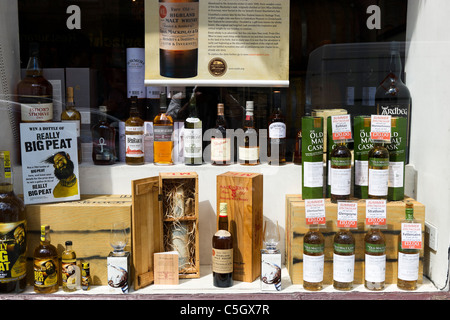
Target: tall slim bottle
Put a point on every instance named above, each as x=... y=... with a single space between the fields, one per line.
x=35 y=94
x=277 y=133
x=222 y=250
x=163 y=131
x=134 y=135
x=378 y=171
x=408 y=259
x=178 y=38
x=313 y=259
x=220 y=143
x=193 y=135
x=249 y=150
x=375 y=259
x=46 y=264
x=71 y=114
x=13 y=226
x=343 y=260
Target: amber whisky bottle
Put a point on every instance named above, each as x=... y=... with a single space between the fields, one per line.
x=134 y=135
x=45 y=264
x=220 y=143
x=343 y=260
x=313 y=259
x=163 y=131
x=374 y=260
x=249 y=150
x=222 y=252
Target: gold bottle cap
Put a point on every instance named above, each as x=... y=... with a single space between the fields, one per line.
x=223 y=211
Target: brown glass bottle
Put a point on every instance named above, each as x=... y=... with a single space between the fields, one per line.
x=277 y=133
x=46 y=264
x=313 y=259
x=343 y=260
x=220 y=144
x=375 y=259
x=222 y=249
x=178 y=52
x=249 y=150
x=71 y=114
x=378 y=171
x=103 y=140
x=163 y=130
x=35 y=94
x=14 y=231
x=134 y=135
x=340 y=172
x=298 y=148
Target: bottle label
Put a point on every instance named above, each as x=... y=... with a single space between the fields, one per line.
x=178 y=25
x=36 y=112
x=313 y=248
x=162 y=133
x=277 y=130
x=249 y=154
x=378 y=182
x=220 y=149
x=13 y=251
x=313 y=267
x=134 y=146
x=222 y=260
x=134 y=129
x=396 y=174
x=343 y=267
x=375 y=268
x=313 y=174
x=68 y=270
x=193 y=143
x=361 y=173
x=46 y=272
x=340 y=180
x=408 y=266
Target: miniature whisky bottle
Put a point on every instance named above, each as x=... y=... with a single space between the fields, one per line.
x=222 y=250
x=343 y=260
x=220 y=143
x=13 y=226
x=378 y=171
x=249 y=150
x=85 y=276
x=134 y=135
x=408 y=259
x=45 y=264
x=68 y=268
x=313 y=259
x=71 y=114
x=163 y=130
x=375 y=259
x=340 y=172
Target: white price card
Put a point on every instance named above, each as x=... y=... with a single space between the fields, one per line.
x=315 y=211
x=375 y=212
x=341 y=127
x=411 y=234
x=380 y=129
x=347 y=214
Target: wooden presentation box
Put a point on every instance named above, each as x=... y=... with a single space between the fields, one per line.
x=86 y=223
x=153 y=218
x=243 y=192
x=296 y=228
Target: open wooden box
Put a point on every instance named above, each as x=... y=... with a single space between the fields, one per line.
x=152 y=223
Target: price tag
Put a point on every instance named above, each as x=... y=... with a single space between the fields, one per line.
x=375 y=212
x=341 y=127
x=411 y=234
x=347 y=215
x=315 y=211
x=380 y=129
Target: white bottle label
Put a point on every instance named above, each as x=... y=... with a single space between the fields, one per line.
x=313 y=174
x=37 y=112
x=361 y=173
x=134 y=146
x=408 y=266
x=378 y=182
x=220 y=149
x=343 y=267
x=249 y=154
x=277 y=130
x=193 y=143
x=313 y=267
x=396 y=174
x=341 y=181
x=375 y=268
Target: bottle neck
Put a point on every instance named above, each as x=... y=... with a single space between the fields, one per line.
x=395 y=65
x=45 y=235
x=223 y=222
x=6 y=184
x=193 y=107
x=34 y=67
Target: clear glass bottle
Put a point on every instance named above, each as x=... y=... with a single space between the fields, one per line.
x=193 y=135
x=340 y=172
x=45 y=264
x=375 y=259
x=134 y=135
x=271 y=258
x=68 y=268
x=313 y=259
x=71 y=114
x=163 y=131
x=343 y=260
x=103 y=140
x=13 y=226
x=222 y=245
x=220 y=143
x=277 y=133
x=249 y=150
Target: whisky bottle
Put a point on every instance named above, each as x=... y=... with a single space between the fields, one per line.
x=178 y=38
x=13 y=232
x=249 y=150
x=313 y=259
x=163 y=131
x=35 y=94
x=134 y=135
x=298 y=148
x=103 y=140
x=45 y=264
x=341 y=172
x=375 y=259
x=362 y=145
x=222 y=251
x=193 y=135
x=408 y=259
x=85 y=276
x=277 y=133
x=343 y=259
x=68 y=268
x=220 y=143
x=378 y=171
x=71 y=114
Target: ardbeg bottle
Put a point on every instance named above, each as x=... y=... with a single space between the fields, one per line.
x=222 y=250
x=13 y=226
x=193 y=135
x=340 y=172
x=378 y=171
x=71 y=114
x=343 y=260
x=313 y=259
x=46 y=264
x=375 y=259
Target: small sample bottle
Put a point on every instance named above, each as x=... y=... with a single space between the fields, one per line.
x=69 y=268
x=85 y=276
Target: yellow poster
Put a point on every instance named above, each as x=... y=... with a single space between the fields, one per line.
x=217 y=42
